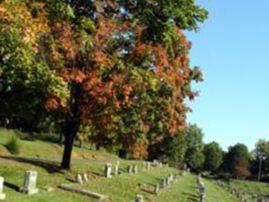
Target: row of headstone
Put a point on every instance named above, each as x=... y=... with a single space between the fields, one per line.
x=146 y=166
x=243 y=196
x=82 y=178
x=29 y=185
x=132 y=169
x=263 y=199
x=165 y=182
x=201 y=188
x=108 y=169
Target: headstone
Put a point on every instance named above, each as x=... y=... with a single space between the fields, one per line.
x=117 y=169
x=163 y=183
x=2 y=195
x=148 y=165
x=201 y=192
x=198 y=179
x=139 y=198
x=85 y=177
x=118 y=162
x=167 y=181
x=108 y=169
x=130 y=169
x=79 y=179
x=29 y=186
x=156 y=189
x=156 y=163
x=144 y=166
x=135 y=169
x=171 y=178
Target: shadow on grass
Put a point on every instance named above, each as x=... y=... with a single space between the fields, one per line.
x=97 y=174
x=147 y=191
x=12 y=186
x=191 y=197
x=50 y=166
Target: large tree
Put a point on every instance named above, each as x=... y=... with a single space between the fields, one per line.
x=261 y=157
x=120 y=67
x=194 y=156
x=213 y=156
x=237 y=161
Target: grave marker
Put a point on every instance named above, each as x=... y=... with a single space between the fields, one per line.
x=2 y=195
x=85 y=177
x=130 y=169
x=135 y=169
x=79 y=179
x=156 y=189
x=117 y=169
x=108 y=169
x=29 y=185
x=201 y=192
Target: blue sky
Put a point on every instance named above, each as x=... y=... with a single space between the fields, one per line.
x=232 y=48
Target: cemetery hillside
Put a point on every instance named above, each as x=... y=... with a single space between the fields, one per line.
x=121 y=187
x=95 y=104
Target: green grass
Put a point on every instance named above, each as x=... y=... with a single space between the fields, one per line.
x=252 y=187
x=44 y=157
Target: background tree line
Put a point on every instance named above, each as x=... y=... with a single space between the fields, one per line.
x=238 y=162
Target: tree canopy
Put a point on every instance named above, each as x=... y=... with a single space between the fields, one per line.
x=118 y=67
x=213 y=156
x=237 y=161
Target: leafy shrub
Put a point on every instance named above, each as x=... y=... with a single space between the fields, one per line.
x=13 y=145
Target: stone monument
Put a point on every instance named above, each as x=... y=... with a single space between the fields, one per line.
x=29 y=185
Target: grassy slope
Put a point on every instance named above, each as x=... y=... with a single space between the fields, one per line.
x=253 y=187
x=120 y=189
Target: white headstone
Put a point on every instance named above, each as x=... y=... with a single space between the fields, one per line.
x=118 y=162
x=108 y=169
x=85 y=177
x=171 y=178
x=79 y=179
x=148 y=165
x=117 y=169
x=2 y=195
x=163 y=183
x=135 y=169
x=29 y=186
x=157 y=189
x=130 y=169
x=167 y=180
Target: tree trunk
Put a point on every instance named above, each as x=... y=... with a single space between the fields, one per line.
x=72 y=127
x=70 y=134
x=68 y=147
